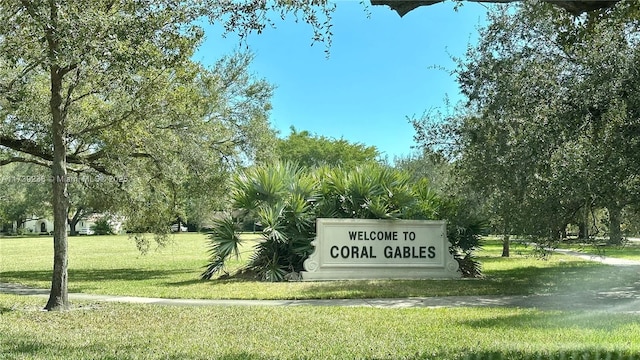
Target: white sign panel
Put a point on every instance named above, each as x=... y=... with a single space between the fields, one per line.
x=380 y=249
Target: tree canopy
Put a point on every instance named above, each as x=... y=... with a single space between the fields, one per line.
x=309 y=150
x=551 y=124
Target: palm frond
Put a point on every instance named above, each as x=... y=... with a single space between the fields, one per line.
x=271 y=219
x=212 y=268
x=223 y=243
x=273 y=271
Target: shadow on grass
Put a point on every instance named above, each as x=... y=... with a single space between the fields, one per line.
x=16 y=348
x=185 y=282
x=233 y=278
x=92 y=274
x=242 y=355
x=595 y=354
x=79 y=278
x=572 y=320
x=565 y=278
x=519 y=281
x=515 y=281
x=404 y=288
x=28 y=347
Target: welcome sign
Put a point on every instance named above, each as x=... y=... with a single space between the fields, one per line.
x=380 y=249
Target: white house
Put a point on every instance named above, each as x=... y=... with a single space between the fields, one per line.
x=41 y=226
x=37 y=225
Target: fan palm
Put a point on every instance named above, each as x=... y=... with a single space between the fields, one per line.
x=281 y=198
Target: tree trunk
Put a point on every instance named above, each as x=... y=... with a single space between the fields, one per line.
x=19 y=224
x=58 y=297
x=73 y=221
x=615 y=234
x=583 y=225
x=505 y=246
x=583 y=230
x=72 y=227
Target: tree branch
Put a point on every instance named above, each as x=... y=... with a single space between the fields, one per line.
x=68 y=99
x=32 y=148
x=25 y=71
x=26 y=146
x=29 y=7
x=575 y=7
x=121 y=118
x=16 y=159
x=103 y=126
x=88 y=93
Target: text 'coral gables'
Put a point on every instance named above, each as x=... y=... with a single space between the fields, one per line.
x=389 y=252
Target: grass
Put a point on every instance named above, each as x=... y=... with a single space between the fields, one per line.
x=128 y=331
x=111 y=265
x=630 y=250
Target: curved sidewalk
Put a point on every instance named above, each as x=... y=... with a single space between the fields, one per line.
x=433 y=302
x=590 y=301
x=616 y=300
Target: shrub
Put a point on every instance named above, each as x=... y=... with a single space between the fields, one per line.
x=102 y=226
x=464 y=229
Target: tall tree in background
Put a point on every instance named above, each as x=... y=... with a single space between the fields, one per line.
x=309 y=150
x=25 y=193
x=427 y=164
x=108 y=87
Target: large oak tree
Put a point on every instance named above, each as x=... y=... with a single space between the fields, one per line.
x=107 y=88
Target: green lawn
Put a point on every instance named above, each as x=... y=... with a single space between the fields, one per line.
x=112 y=265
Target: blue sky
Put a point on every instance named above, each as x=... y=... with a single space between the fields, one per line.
x=380 y=70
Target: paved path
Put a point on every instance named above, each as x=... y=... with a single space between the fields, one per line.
x=585 y=301
x=615 y=300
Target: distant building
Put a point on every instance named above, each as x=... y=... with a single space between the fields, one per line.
x=44 y=226
x=37 y=225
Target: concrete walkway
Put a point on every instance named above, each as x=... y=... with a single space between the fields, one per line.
x=615 y=300
x=583 y=301
x=433 y=302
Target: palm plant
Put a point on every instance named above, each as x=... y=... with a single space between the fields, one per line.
x=281 y=198
x=371 y=191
